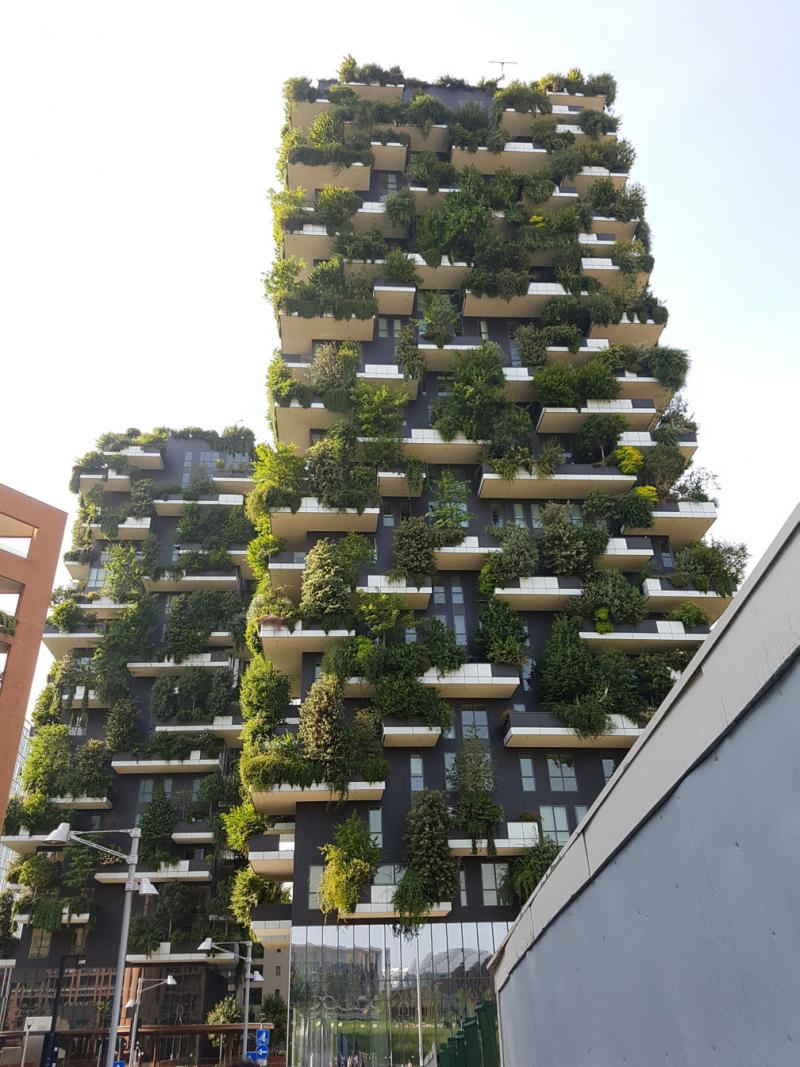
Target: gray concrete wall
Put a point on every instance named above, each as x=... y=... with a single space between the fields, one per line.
x=686 y=949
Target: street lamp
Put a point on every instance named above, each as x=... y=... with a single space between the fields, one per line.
x=141 y=985
x=63 y=835
x=249 y=976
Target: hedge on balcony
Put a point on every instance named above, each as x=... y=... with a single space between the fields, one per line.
x=53 y=768
x=714 y=567
x=518 y=558
x=567 y=549
x=327 y=291
x=194 y=616
x=330 y=576
x=610 y=600
x=195 y=696
x=475 y=813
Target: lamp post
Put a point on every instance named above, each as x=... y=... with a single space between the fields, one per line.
x=63 y=835
x=136 y=1003
x=249 y=976
x=48 y=1045
x=419 y=1004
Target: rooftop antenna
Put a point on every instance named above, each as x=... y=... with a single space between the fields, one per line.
x=503 y=63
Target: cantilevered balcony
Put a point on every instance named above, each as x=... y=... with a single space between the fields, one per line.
x=82 y=803
x=129 y=530
x=651 y=635
x=540 y=729
x=376 y=91
x=309 y=242
x=571 y=481
x=312 y=517
x=395 y=483
x=405 y=733
x=23 y=843
x=472 y=681
x=687 y=442
x=76 y=563
x=660 y=595
x=642 y=387
x=271 y=924
x=442 y=359
x=388 y=374
x=285 y=647
x=629 y=331
x=226 y=727
x=233 y=483
x=625 y=554
x=638 y=415
x=410 y=596
x=104 y=608
x=380 y=906
x=178 y=871
x=111 y=481
x=587 y=176
x=540 y=593
x=681 y=521
x=298 y=332
x=175 y=506
x=425 y=201
x=372 y=215
x=521 y=157
x=157 y=668
x=428 y=445
x=470 y=555
x=517 y=839
x=169 y=955
x=312 y=176
x=445 y=275
x=394 y=298
x=68 y=917
x=519 y=384
x=283 y=799
x=144 y=459
x=296 y=422
x=192 y=833
x=286 y=572
x=304 y=112
x=83 y=699
x=389 y=156
x=588 y=350
x=272 y=855
x=559 y=98
x=528 y=306
x=195 y=763
x=58 y=643
x=435 y=140
x=612 y=277
x=190 y=583
x=618 y=229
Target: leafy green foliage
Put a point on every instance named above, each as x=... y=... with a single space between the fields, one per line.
x=350 y=862
x=689 y=614
x=517 y=559
x=440 y=318
x=157 y=824
x=566 y=548
x=502 y=636
x=193 y=617
x=249 y=891
x=718 y=566
x=241 y=823
x=528 y=869
x=475 y=813
x=264 y=698
x=599 y=436
x=431 y=873
x=610 y=593
x=197 y=695
x=414 y=544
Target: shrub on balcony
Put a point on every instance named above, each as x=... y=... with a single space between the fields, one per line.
x=329 y=578
x=322 y=732
x=213 y=529
x=34 y=811
x=630 y=460
x=718 y=566
x=283 y=388
x=599 y=436
x=157 y=823
x=368 y=246
x=400 y=267
x=581 y=312
x=379 y=410
x=544 y=131
x=476 y=394
x=46 y=768
x=68 y=616
x=169 y=746
x=406 y=698
x=369 y=73
x=502 y=636
x=567 y=549
x=333 y=373
x=241 y=823
x=428 y=170
x=440 y=318
x=532 y=343
x=608 y=592
x=194 y=616
x=327 y=290
x=383 y=614
x=197 y=695
x=556 y=386
x=122 y=719
x=282 y=760
x=475 y=813
x=414 y=544
x=634 y=509
x=333 y=476
x=350 y=863
x=335 y=207
x=125 y=639
x=337 y=155
x=431 y=872
x=448 y=513
x=90 y=769
x=527 y=870
x=517 y=559
x=521 y=96
x=409 y=358
x=278 y=478
x=663 y=466
x=125 y=570
x=597 y=123
x=250 y=891
x=631 y=257
x=689 y=614
x=400 y=207
x=569 y=681
x=549 y=458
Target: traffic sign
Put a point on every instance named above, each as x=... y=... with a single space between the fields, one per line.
x=262 y=1037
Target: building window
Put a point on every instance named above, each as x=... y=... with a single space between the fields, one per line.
x=79 y=937
x=388 y=514
x=493 y=883
x=415 y=769
x=40 y=944
x=562 y=774
x=462 y=886
x=483 y=326
x=580 y=811
x=609 y=766
x=554 y=823
x=387 y=874
x=475 y=724
x=277 y=970
x=314 y=879
x=460 y=629
x=376 y=826
x=527 y=775
x=449 y=767
x=383 y=327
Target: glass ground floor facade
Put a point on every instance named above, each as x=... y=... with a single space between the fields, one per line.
x=353 y=989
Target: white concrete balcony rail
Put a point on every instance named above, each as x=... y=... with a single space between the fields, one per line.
x=308 y=242
x=104 y=608
x=411 y=596
x=286 y=572
x=394 y=298
x=571 y=481
x=596 y=244
x=195 y=763
x=175 y=506
x=111 y=481
x=82 y=699
x=283 y=799
x=446 y=275
x=618 y=229
x=540 y=730
x=518 y=307
x=520 y=156
x=313 y=517
x=588 y=350
x=681 y=521
x=442 y=359
x=129 y=530
x=612 y=277
x=470 y=555
x=178 y=871
x=25 y=843
x=166 y=957
x=629 y=331
x=68 y=918
x=390 y=375
x=57 y=644
x=559 y=99
x=587 y=176
x=625 y=554
x=410 y=735
x=650 y=635
x=296 y=422
x=638 y=415
x=298 y=332
x=471 y=681
x=144 y=459
x=234 y=483
x=82 y=803
x=540 y=593
x=380 y=906
x=428 y=445
x=155 y=668
x=193 y=833
x=395 y=483
x=272 y=933
x=687 y=444
x=272 y=855
x=285 y=647
x=519 y=837
x=312 y=176
x=228 y=727
x=190 y=583
x=661 y=596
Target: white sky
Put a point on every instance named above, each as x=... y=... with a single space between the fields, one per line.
x=138 y=141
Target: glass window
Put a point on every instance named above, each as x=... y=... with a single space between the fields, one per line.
x=411 y=635
x=456 y=591
x=79 y=937
x=439 y=593
x=397 y=325
x=475 y=724
x=536 y=516
x=460 y=630
x=554 y=823
x=580 y=811
x=376 y=826
x=493 y=879
x=519 y=515
x=449 y=766
x=462 y=886
x=388 y=514
x=443 y=384
x=527 y=775
x=562 y=774
x=40 y=944
x=609 y=766
x=383 y=326
x=387 y=874
x=416 y=772
x=314 y=879
x=483 y=326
